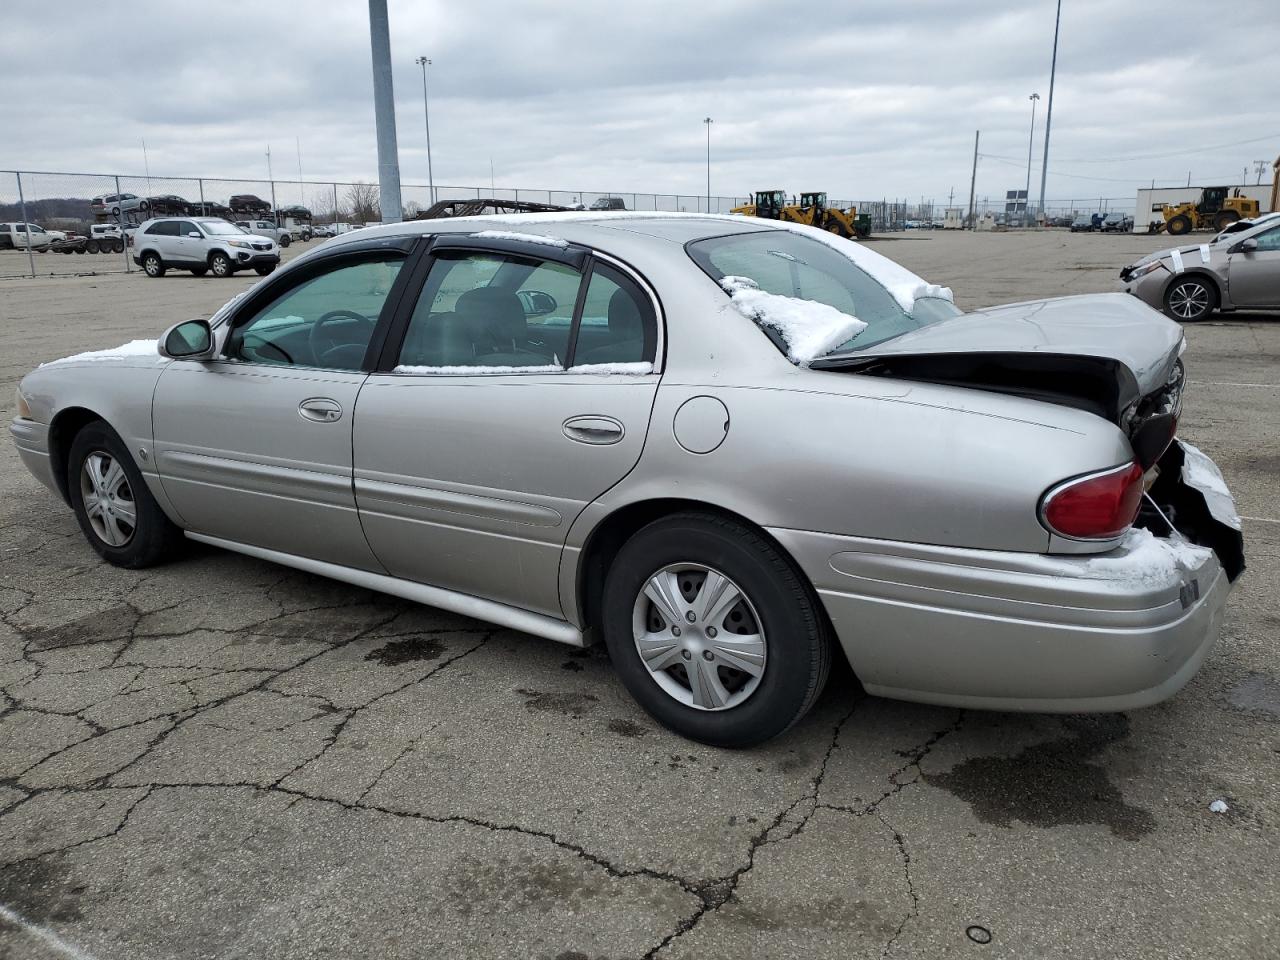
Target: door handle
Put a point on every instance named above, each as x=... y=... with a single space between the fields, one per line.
x=599 y=431
x=320 y=410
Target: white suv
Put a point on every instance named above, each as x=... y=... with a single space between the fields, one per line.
x=265 y=228
x=201 y=245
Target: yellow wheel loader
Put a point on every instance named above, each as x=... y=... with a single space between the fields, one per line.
x=1215 y=210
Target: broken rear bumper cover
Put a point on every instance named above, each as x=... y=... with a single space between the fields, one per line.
x=1020 y=631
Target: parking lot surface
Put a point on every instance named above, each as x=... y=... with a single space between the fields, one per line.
x=224 y=758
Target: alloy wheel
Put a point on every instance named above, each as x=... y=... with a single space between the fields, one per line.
x=1187 y=301
x=108 y=500
x=698 y=635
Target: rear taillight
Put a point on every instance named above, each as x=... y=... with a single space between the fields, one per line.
x=1097 y=506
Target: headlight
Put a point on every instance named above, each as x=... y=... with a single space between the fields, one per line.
x=240 y=243
x=1146 y=268
x=24 y=410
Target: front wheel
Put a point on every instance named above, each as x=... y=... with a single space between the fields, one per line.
x=713 y=631
x=1189 y=299
x=1179 y=225
x=117 y=513
x=220 y=264
x=152 y=264
x=285 y=240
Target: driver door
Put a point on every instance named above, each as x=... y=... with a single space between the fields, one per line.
x=1253 y=276
x=255 y=447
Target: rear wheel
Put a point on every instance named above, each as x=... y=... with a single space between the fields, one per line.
x=1189 y=299
x=92 y=246
x=285 y=240
x=152 y=264
x=220 y=264
x=713 y=631
x=117 y=513
x=1179 y=225
x=117 y=246
x=1224 y=219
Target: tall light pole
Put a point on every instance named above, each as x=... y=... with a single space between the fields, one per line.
x=1030 y=140
x=384 y=114
x=708 y=121
x=426 y=113
x=1048 y=114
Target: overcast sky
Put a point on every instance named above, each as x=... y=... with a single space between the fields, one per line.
x=864 y=100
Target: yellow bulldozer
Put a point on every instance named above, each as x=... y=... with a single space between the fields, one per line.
x=812 y=210
x=1215 y=210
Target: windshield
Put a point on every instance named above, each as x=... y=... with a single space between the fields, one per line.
x=219 y=228
x=791 y=265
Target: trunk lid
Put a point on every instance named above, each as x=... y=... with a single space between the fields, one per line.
x=1106 y=353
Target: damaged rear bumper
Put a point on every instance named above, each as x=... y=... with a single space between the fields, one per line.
x=1018 y=631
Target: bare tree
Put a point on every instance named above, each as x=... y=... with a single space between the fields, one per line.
x=362 y=198
x=412 y=209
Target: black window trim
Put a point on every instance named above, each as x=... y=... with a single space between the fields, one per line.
x=412 y=249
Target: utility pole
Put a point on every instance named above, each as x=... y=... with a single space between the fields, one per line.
x=1262 y=166
x=302 y=197
x=272 y=180
x=1031 y=137
x=426 y=113
x=384 y=113
x=1048 y=116
x=973 y=181
x=708 y=122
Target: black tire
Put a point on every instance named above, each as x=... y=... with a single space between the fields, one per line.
x=798 y=652
x=285 y=240
x=1190 y=298
x=115 y=212
x=1179 y=225
x=152 y=265
x=265 y=269
x=220 y=264
x=117 y=246
x=79 y=249
x=199 y=271
x=92 y=246
x=1224 y=219
x=306 y=237
x=153 y=537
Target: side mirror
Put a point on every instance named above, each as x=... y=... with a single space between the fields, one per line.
x=194 y=234
x=189 y=340
x=1245 y=246
x=536 y=303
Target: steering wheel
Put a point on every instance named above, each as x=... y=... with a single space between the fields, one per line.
x=322 y=346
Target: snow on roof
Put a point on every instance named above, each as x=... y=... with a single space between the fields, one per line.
x=809 y=328
x=526 y=237
x=134 y=348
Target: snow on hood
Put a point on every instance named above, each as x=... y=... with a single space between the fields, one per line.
x=134 y=348
x=809 y=328
x=904 y=285
x=526 y=237
x=1147 y=559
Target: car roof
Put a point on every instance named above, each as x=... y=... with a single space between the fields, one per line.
x=582 y=226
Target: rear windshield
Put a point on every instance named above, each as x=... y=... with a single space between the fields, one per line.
x=791 y=265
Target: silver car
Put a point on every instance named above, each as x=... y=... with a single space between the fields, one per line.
x=1235 y=270
x=731 y=449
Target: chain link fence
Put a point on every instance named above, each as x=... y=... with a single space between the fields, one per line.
x=37 y=207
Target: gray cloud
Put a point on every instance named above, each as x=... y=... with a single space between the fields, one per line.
x=863 y=100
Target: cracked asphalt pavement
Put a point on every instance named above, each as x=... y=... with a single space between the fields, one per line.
x=223 y=758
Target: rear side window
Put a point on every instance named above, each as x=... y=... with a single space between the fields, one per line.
x=618 y=323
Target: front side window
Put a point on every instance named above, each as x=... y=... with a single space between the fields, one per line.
x=185 y=227
x=791 y=265
x=1269 y=240
x=489 y=310
x=326 y=321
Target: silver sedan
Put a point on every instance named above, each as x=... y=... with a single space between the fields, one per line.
x=1239 y=269
x=730 y=449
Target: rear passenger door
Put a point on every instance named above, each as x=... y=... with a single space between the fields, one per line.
x=479 y=439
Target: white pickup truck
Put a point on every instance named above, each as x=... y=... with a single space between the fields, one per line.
x=266 y=228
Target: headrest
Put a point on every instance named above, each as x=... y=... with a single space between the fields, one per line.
x=493 y=311
x=625 y=321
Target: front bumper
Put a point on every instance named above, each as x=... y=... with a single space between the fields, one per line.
x=255 y=258
x=1016 y=631
x=32 y=440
